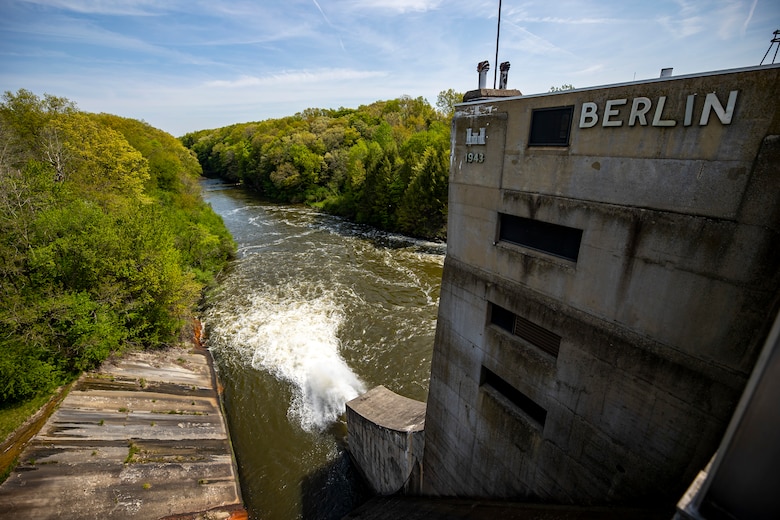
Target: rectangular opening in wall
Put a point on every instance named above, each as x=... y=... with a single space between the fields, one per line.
x=557 y=240
x=502 y=317
x=515 y=396
x=551 y=126
x=534 y=334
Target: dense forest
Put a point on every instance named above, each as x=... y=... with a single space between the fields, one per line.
x=105 y=241
x=385 y=164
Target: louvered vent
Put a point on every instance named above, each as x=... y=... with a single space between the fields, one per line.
x=534 y=334
x=538 y=336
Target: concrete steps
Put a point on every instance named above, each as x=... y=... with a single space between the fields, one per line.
x=143 y=437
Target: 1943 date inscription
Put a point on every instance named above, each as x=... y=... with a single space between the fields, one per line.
x=472 y=157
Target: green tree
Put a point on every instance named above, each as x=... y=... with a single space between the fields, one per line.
x=104 y=244
x=423 y=209
x=357 y=163
x=446 y=101
x=374 y=205
x=102 y=165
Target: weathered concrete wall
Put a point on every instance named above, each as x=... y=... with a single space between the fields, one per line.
x=660 y=317
x=386 y=439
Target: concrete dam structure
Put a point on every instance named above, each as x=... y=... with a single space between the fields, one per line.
x=612 y=275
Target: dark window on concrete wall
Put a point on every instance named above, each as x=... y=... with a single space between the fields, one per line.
x=515 y=396
x=551 y=126
x=534 y=334
x=561 y=241
x=502 y=317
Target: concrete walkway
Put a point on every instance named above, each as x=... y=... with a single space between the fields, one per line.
x=144 y=437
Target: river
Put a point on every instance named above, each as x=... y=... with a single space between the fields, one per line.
x=314 y=311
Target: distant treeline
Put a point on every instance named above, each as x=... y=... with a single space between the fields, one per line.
x=385 y=164
x=105 y=241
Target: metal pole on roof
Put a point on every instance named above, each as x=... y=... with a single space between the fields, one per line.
x=775 y=40
x=498 y=33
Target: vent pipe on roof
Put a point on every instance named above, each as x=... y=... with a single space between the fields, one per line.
x=504 y=75
x=483 y=67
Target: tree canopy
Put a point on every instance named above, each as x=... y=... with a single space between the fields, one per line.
x=105 y=242
x=385 y=164
x=446 y=101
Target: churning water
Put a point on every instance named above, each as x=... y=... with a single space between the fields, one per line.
x=314 y=311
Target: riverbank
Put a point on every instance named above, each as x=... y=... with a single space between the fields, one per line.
x=142 y=437
x=36 y=411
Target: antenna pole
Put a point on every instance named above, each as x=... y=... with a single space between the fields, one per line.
x=498 y=33
x=775 y=40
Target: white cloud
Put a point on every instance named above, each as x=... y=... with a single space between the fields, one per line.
x=734 y=17
x=590 y=70
x=522 y=17
x=682 y=27
x=65 y=30
x=296 y=78
x=397 y=6
x=690 y=19
x=189 y=64
x=109 y=7
x=528 y=42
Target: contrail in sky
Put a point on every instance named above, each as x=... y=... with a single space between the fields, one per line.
x=322 y=12
x=750 y=16
x=328 y=21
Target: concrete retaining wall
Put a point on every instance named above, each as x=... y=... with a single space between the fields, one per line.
x=386 y=439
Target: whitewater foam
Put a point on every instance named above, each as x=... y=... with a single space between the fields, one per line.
x=294 y=337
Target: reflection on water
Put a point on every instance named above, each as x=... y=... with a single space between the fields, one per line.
x=315 y=311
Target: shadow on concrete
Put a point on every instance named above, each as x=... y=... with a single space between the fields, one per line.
x=420 y=508
x=333 y=490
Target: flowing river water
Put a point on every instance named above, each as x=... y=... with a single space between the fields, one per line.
x=314 y=311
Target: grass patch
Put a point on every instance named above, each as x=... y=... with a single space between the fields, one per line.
x=7 y=471
x=13 y=416
x=132 y=450
x=179 y=412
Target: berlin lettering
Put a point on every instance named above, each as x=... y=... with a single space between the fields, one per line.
x=643 y=113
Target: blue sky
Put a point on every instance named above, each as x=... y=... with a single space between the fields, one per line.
x=184 y=65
